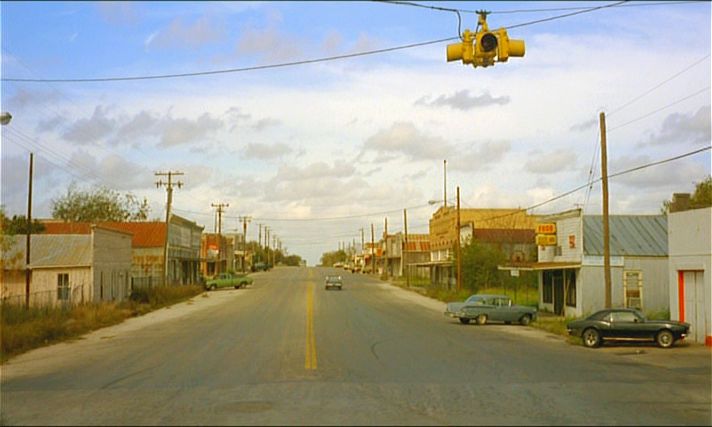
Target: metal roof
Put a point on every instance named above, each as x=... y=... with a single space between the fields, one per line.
x=631 y=235
x=49 y=250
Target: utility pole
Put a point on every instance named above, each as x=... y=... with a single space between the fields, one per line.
x=267 y=230
x=245 y=220
x=373 y=253
x=169 y=201
x=28 y=274
x=404 y=259
x=385 y=248
x=363 y=251
x=444 y=183
x=259 y=241
x=459 y=249
x=220 y=208
x=606 y=230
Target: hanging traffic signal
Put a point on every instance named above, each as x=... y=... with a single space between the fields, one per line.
x=484 y=47
x=462 y=51
x=508 y=47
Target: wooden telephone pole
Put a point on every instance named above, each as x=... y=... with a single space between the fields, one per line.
x=385 y=248
x=245 y=220
x=169 y=202
x=459 y=247
x=373 y=253
x=404 y=258
x=606 y=230
x=28 y=273
x=220 y=208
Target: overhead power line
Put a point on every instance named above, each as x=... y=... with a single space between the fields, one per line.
x=233 y=70
x=293 y=63
x=552 y=9
x=613 y=175
x=689 y=67
x=333 y=218
x=704 y=89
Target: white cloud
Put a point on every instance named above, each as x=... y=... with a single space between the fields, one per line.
x=92 y=129
x=463 y=100
x=181 y=131
x=192 y=35
x=266 y=151
x=551 y=162
x=683 y=129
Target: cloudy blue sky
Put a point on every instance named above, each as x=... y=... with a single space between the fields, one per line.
x=352 y=140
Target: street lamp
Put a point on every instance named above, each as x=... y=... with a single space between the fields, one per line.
x=5 y=117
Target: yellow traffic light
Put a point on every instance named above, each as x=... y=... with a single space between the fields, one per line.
x=508 y=47
x=484 y=47
x=463 y=50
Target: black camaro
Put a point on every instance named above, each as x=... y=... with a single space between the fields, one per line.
x=626 y=324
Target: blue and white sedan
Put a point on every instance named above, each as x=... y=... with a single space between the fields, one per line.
x=490 y=308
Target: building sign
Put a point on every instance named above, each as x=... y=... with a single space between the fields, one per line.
x=546 y=240
x=466 y=233
x=546 y=228
x=572 y=241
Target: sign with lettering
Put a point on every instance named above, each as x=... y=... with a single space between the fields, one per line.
x=546 y=228
x=546 y=240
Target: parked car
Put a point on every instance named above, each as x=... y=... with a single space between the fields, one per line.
x=227 y=280
x=332 y=282
x=626 y=324
x=487 y=308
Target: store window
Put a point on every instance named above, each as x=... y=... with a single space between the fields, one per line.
x=63 y=286
x=633 y=289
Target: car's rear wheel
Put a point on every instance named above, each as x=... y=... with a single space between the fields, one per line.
x=591 y=338
x=464 y=320
x=665 y=339
x=525 y=320
x=481 y=319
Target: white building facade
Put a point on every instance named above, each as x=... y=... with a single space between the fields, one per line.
x=690 y=271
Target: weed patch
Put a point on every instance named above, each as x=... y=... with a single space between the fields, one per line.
x=24 y=329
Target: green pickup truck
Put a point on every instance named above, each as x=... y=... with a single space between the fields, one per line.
x=226 y=280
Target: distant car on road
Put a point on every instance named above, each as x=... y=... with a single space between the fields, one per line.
x=332 y=282
x=626 y=324
x=227 y=280
x=260 y=266
x=487 y=308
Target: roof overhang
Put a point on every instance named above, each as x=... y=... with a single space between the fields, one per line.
x=539 y=266
x=431 y=263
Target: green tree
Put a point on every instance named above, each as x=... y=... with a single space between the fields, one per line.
x=702 y=197
x=18 y=225
x=479 y=265
x=99 y=204
x=330 y=258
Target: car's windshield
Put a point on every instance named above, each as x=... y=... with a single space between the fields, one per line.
x=475 y=299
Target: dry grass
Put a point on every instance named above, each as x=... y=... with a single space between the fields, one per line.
x=24 y=329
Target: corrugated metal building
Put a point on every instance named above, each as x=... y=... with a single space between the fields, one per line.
x=147 y=245
x=69 y=268
x=571 y=273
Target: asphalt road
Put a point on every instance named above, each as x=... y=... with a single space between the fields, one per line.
x=286 y=351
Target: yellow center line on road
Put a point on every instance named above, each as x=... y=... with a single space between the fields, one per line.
x=310 y=353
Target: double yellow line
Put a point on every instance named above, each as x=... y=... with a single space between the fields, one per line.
x=310 y=353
